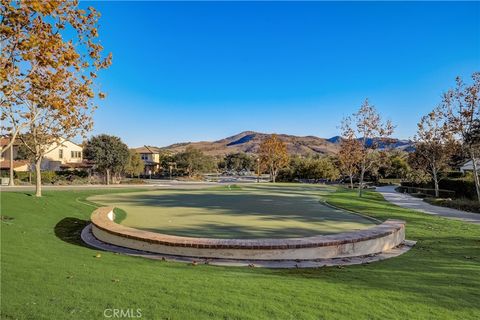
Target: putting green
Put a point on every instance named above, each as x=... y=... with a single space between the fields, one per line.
x=250 y=211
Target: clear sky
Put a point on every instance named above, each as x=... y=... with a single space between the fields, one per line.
x=204 y=71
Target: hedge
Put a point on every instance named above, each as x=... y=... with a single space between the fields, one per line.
x=463 y=188
x=54 y=176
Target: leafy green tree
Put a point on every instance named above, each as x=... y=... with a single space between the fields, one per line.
x=315 y=168
x=194 y=161
x=396 y=165
x=239 y=161
x=135 y=165
x=109 y=153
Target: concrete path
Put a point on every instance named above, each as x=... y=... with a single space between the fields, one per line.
x=407 y=201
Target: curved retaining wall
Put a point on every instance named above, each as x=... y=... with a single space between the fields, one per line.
x=377 y=239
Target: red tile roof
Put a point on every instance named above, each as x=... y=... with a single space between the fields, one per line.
x=5 y=141
x=5 y=164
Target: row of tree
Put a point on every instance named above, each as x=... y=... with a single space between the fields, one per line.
x=451 y=131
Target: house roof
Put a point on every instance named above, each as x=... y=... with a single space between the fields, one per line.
x=5 y=141
x=469 y=164
x=147 y=149
x=5 y=164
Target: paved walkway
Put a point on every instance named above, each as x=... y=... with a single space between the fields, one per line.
x=407 y=201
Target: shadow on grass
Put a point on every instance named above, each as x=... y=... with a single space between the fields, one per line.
x=70 y=229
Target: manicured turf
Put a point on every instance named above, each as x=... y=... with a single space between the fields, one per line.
x=48 y=274
x=250 y=211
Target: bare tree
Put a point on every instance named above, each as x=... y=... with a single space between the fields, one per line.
x=461 y=106
x=367 y=126
x=434 y=147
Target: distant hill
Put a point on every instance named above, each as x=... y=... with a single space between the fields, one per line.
x=406 y=145
x=249 y=142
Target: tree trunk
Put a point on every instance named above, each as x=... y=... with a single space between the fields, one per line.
x=351 y=182
x=38 y=178
x=273 y=174
x=360 y=186
x=107 y=176
x=11 y=182
x=475 y=175
x=435 y=181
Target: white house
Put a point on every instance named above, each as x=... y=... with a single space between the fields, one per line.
x=62 y=155
x=468 y=166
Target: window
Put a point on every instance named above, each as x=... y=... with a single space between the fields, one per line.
x=144 y=156
x=76 y=154
x=60 y=153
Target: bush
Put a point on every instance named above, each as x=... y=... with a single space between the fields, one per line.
x=22 y=176
x=462 y=188
x=49 y=176
x=460 y=204
x=56 y=177
x=285 y=175
x=455 y=174
x=424 y=192
x=132 y=181
x=70 y=174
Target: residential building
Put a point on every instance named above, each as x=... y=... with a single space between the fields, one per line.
x=18 y=165
x=468 y=166
x=151 y=158
x=63 y=155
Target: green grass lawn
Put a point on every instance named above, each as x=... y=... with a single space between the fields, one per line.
x=47 y=274
x=252 y=211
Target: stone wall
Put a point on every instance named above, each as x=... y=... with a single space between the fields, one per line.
x=377 y=239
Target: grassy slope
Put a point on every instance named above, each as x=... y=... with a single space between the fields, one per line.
x=45 y=277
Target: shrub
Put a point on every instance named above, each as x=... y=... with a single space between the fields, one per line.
x=69 y=174
x=424 y=192
x=285 y=175
x=49 y=177
x=455 y=174
x=22 y=176
x=460 y=204
x=132 y=181
x=463 y=188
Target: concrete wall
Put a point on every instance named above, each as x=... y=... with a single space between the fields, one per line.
x=377 y=239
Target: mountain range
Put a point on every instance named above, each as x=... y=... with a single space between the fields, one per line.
x=249 y=142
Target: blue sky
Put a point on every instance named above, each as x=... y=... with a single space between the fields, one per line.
x=204 y=71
